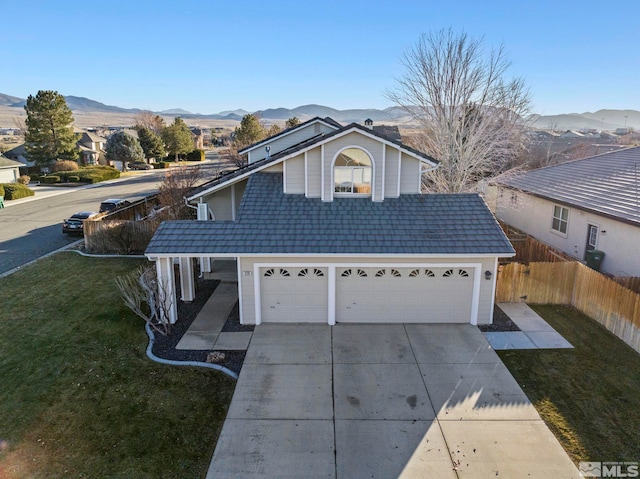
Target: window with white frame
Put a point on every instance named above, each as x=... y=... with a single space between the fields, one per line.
x=352 y=172
x=560 y=219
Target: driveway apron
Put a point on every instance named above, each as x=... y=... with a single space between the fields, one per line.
x=381 y=401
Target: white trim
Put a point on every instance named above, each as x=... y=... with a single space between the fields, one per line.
x=256 y=293
x=152 y=257
x=373 y=175
x=384 y=169
x=420 y=178
x=493 y=290
x=331 y=314
x=284 y=177
x=240 y=302
x=331 y=295
x=233 y=202
x=399 y=170
x=323 y=187
x=306 y=176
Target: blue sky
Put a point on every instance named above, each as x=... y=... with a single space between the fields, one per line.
x=208 y=56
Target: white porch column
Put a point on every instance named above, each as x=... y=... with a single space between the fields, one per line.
x=332 y=295
x=167 y=288
x=187 y=283
x=203 y=215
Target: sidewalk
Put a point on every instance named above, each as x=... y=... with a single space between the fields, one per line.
x=535 y=332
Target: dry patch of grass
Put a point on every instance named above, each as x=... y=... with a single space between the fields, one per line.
x=588 y=396
x=79 y=397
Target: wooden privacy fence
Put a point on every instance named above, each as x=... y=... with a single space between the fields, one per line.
x=118 y=236
x=599 y=297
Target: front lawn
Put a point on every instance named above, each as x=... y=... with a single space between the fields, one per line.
x=588 y=396
x=78 y=396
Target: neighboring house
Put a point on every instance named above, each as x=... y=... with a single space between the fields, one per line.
x=198 y=138
x=329 y=225
x=9 y=170
x=92 y=149
x=19 y=154
x=581 y=205
x=572 y=134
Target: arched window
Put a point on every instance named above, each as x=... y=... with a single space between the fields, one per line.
x=352 y=172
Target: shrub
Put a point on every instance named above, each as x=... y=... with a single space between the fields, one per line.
x=73 y=179
x=34 y=177
x=1 y=190
x=196 y=155
x=15 y=191
x=24 y=179
x=91 y=174
x=64 y=165
x=49 y=179
x=162 y=164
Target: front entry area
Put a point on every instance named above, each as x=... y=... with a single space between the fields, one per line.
x=367 y=293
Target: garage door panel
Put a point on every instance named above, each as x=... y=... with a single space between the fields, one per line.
x=405 y=295
x=293 y=294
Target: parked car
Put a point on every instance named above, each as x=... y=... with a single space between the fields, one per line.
x=139 y=165
x=112 y=204
x=75 y=223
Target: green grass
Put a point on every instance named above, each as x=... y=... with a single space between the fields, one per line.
x=78 y=396
x=589 y=396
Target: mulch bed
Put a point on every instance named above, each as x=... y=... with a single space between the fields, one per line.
x=165 y=346
x=501 y=322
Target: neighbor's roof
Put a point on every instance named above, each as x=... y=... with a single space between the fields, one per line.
x=607 y=184
x=271 y=222
x=7 y=163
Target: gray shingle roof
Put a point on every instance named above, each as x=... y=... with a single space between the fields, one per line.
x=607 y=184
x=271 y=222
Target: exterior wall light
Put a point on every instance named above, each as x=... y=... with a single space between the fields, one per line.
x=488 y=274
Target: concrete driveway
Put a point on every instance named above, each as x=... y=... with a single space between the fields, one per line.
x=381 y=401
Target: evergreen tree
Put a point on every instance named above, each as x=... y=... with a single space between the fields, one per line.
x=291 y=122
x=49 y=128
x=250 y=131
x=123 y=147
x=151 y=144
x=177 y=137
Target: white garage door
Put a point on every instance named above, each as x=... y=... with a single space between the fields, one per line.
x=407 y=295
x=294 y=295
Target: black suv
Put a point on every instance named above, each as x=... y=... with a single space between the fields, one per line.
x=112 y=204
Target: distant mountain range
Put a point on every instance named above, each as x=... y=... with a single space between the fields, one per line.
x=599 y=120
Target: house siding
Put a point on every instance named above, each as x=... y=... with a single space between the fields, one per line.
x=247 y=279
x=533 y=215
x=294 y=177
x=221 y=203
x=391 y=172
x=409 y=175
x=314 y=173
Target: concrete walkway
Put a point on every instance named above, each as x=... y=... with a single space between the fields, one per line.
x=205 y=333
x=535 y=332
x=381 y=401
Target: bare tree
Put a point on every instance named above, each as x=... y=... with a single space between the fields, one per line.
x=150 y=120
x=175 y=187
x=471 y=117
x=142 y=293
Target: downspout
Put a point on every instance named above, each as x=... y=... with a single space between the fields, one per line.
x=186 y=202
